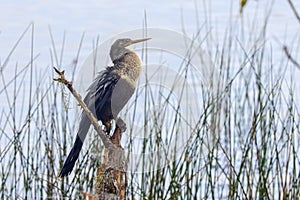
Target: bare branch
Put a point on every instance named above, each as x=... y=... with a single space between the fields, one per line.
x=62 y=79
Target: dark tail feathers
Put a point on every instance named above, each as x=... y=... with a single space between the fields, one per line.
x=72 y=157
x=74 y=153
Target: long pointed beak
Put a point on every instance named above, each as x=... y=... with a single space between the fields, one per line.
x=137 y=41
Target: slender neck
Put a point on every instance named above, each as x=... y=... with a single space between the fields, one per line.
x=117 y=53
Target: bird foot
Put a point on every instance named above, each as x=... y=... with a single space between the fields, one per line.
x=107 y=128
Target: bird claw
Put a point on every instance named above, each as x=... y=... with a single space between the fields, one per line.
x=107 y=128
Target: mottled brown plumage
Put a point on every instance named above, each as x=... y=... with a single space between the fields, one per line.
x=108 y=94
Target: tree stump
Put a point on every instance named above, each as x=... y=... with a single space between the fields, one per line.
x=111 y=179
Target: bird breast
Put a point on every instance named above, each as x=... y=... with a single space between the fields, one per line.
x=130 y=66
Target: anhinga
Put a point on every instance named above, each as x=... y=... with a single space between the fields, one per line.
x=108 y=94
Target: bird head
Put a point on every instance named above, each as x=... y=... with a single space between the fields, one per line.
x=118 y=49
